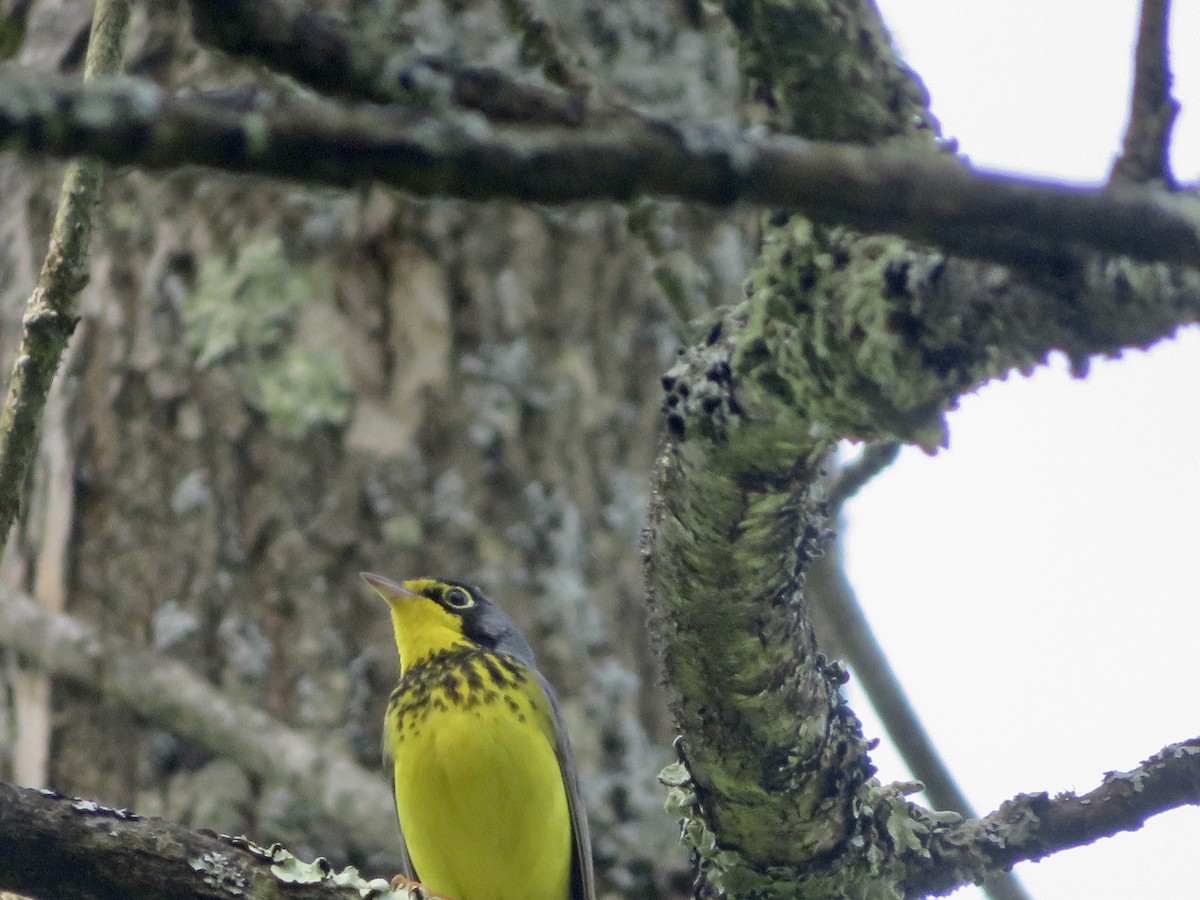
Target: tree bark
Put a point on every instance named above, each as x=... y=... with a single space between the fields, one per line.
x=273 y=388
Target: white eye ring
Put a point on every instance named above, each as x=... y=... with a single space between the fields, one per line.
x=457 y=598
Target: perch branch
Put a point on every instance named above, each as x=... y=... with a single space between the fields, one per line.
x=55 y=846
x=50 y=314
x=171 y=695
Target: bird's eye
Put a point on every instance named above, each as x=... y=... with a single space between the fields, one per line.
x=457 y=598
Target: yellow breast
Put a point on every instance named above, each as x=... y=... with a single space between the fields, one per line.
x=479 y=792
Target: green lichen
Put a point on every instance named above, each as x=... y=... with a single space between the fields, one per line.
x=825 y=337
x=249 y=314
x=291 y=870
x=299 y=389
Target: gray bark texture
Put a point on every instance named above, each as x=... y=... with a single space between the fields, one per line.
x=273 y=388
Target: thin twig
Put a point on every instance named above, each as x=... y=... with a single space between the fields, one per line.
x=918 y=194
x=875 y=457
x=1152 y=109
x=50 y=315
x=839 y=614
x=1034 y=826
x=883 y=688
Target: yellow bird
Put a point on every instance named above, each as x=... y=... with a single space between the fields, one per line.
x=484 y=778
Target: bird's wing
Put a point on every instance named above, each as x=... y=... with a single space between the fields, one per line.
x=583 y=882
x=406 y=865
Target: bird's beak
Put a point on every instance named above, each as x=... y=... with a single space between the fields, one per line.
x=389 y=590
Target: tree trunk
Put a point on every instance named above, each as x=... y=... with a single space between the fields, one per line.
x=274 y=387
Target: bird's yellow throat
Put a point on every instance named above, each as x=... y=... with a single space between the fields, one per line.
x=422 y=627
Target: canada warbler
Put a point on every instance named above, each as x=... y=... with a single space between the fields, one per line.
x=484 y=779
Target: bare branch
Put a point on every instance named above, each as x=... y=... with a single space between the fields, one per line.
x=919 y=194
x=55 y=846
x=1033 y=826
x=1146 y=153
x=171 y=695
x=328 y=55
x=50 y=314
x=874 y=459
x=853 y=633
x=837 y=613
x=843 y=630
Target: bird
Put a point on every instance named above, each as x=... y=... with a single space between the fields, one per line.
x=485 y=782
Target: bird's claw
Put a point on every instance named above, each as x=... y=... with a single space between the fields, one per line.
x=415 y=889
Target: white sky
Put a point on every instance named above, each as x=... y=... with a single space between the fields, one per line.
x=1036 y=585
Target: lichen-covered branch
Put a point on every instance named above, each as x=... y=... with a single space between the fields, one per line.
x=868 y=338
x=841 y=335
x=858 y=337
x=169 y=694
x=920 y=194
x=325 y=53
x=50 y=315
x=1033 y=826
x=56 y=846
x=1145 y=155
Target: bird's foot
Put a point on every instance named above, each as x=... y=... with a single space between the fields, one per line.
x=415 y=889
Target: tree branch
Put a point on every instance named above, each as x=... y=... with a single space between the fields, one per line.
x=843 y=629
x=171 y=695
x=916 y=193
x=875 y=457
x=841 y=336
x=1033 y=826
x=55 y=846
x=330 y=56
x=50 y=314
x=1152 y=109
x=834 y=598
